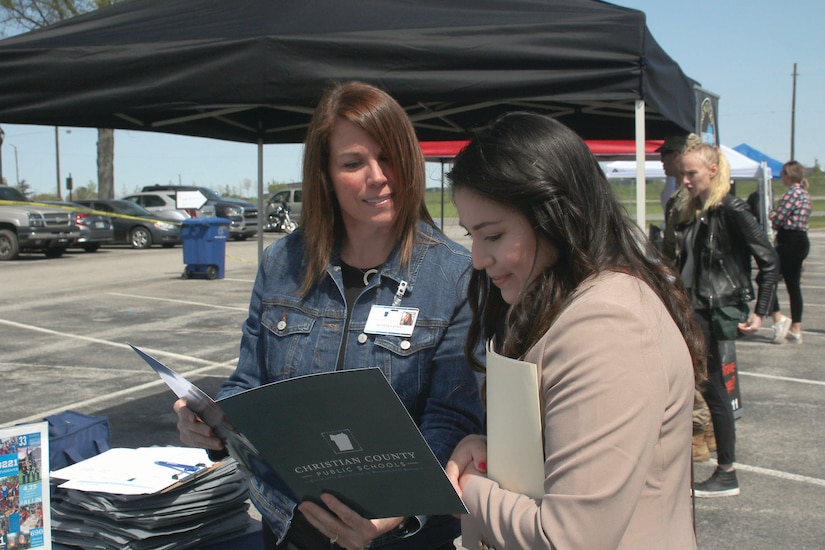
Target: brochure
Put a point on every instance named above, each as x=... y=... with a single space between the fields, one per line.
x=345 y=433
x=24 y=487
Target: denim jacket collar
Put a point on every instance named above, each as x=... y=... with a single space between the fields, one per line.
x=392 y=268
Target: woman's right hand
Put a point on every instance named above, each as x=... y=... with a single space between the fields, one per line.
x=193 y=431
x=468 y=458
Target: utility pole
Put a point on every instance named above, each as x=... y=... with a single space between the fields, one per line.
x=57 y=159
x=793 y=112
x=2 y=135
x=16 y=165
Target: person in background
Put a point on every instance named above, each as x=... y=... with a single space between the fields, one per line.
x=754 y=201
x=716 y=236
x=366 y=239
x=670 y=153
x=564 y=279
x=790 y=221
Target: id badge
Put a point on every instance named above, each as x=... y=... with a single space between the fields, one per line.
x=391 y=320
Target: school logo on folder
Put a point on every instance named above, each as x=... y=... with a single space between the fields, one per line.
x=342 y=441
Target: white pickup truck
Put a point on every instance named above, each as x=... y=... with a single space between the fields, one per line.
x=32 y=227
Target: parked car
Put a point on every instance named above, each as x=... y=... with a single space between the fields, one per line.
x=29 y=226
x=242 y=215
x=165 y=203
x=95 y=229
x=136 y=226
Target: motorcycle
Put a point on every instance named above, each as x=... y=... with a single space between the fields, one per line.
x=279 y=220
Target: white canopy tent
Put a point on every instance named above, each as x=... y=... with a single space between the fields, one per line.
x=741 y=168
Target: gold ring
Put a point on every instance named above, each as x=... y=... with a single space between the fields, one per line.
x=334 y=539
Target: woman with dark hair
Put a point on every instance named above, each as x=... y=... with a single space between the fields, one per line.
x=790 y=221
x=717 y=236
x=564 y=279
x=366 y=241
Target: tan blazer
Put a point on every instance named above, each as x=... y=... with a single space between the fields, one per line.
x=617 y=395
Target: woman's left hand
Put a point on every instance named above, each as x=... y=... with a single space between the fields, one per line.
x=345 y=527
x=753 y=324
x=468 y=458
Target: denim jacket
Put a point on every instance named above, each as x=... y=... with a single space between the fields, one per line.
x=287 y=336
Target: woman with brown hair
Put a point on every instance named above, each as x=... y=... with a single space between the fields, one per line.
x=790 y=221
x=365 y=241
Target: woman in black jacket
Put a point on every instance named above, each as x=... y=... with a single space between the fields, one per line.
x=716 y=236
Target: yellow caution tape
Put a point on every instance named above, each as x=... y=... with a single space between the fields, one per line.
x=84 y=210
x=243 y=260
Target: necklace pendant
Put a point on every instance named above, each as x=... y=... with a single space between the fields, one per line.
x=369 y=273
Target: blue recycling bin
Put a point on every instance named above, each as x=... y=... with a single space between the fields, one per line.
x=204 y=247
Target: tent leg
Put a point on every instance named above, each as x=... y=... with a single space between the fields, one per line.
x=261 y=212
x=641 y=180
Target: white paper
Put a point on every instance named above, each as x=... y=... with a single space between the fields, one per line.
x=133 y=471
x=515 y=449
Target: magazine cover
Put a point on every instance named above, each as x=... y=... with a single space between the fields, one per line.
x=24 y=487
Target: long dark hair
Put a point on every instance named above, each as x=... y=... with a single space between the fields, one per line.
x=542 y=169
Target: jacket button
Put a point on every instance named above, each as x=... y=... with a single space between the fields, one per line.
x=405 y=344
x=362 y=338
x=281 y=325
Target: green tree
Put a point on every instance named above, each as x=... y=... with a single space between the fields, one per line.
x=88 y=191
x=24 y=188
x=28 y=15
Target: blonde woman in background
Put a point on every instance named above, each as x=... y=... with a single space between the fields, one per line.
x=716 y=236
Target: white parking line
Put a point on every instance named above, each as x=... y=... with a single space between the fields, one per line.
x=112 y=395
x=208 y=366
x=100 y=341
x=782 y=475
x=776 y=473
x=783 y=378
x=213 y=306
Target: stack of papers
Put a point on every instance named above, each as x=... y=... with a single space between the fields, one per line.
x=153 y=497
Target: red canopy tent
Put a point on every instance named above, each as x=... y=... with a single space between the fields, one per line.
x=444 y=150
x=607 y=149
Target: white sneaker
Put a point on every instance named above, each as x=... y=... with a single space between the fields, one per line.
x=794 y=337
x=780 y=330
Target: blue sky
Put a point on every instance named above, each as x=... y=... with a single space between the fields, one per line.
x=742 y=51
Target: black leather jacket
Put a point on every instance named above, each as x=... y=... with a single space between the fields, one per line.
x=727 y=236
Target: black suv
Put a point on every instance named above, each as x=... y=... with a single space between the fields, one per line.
x=242 y=215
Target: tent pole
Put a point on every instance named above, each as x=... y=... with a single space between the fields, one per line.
x=442 y=196
x=260 y=198
x=641 y=180
x=766 y=200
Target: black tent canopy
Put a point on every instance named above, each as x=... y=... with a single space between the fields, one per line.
x=252 y=70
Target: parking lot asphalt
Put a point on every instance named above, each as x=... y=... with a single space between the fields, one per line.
x=64 y=324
